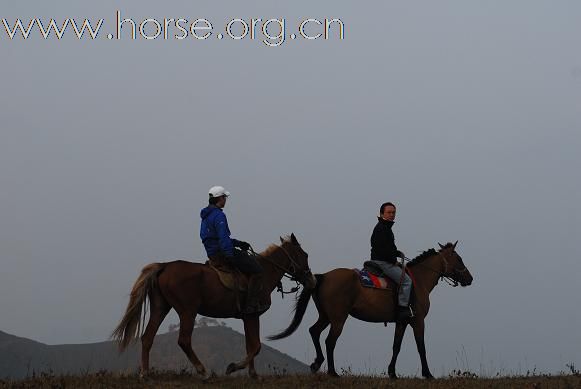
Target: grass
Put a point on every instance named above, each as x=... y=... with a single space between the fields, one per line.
x=457 y=380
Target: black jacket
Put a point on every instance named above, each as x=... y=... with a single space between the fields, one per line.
x=383 y=246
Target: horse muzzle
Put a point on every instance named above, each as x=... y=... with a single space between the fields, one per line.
x=463 y=277
x=466 y=282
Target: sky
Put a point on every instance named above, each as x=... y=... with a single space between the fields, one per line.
x=466 y=114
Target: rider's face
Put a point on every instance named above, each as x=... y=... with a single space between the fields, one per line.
x=388 y=213
x=221 y=202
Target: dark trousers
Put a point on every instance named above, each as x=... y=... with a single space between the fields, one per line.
x=245 y=263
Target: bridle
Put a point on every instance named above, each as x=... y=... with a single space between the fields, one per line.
x=290 y=272
x=450 y=280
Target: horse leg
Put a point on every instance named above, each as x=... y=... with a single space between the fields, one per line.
x=331 y=341
x=397 y=339
x=315 y=331
x=253 y=345
x=418 y=328
x=187 y=320
x=159 y=310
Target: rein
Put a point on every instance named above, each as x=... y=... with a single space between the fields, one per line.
x=287 y=273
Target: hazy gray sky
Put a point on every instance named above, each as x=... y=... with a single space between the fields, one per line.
x=467 y=114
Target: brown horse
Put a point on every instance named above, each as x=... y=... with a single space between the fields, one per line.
x=339 y=293
x=194 y=288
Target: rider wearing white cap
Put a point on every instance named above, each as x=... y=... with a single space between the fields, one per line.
x=215 y=236
x=218 y=191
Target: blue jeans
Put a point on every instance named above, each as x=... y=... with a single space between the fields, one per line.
x=393 y=271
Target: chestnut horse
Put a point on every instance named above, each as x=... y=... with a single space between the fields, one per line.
x=339 y=293
x=194 y=288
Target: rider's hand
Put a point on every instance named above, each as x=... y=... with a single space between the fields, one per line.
x=400 y=254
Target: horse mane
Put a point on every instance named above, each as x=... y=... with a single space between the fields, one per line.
x=422 y=257
x=269 y=250
x=428 y=253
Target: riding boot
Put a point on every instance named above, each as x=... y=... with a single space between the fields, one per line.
x=257 y=298
x=403 y=314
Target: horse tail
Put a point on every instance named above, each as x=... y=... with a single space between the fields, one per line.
x=130 y=326
x=300 y=309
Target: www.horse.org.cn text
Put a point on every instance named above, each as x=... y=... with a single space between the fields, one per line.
x=273 y=32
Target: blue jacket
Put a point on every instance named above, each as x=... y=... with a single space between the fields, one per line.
x=215 y=233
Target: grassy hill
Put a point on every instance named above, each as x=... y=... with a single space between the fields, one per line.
x=173 y=380
x=216 y=346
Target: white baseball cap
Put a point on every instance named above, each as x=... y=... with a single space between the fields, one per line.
x=217 y=191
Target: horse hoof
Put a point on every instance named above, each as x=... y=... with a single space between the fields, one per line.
x=428 y=376
x=333 y=374
x=231 y=368
x=207 y=376
x=315 y=367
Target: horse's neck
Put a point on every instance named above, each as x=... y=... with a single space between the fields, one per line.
x=428 y=272
x=272 y=273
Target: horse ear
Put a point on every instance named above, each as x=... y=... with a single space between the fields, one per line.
x=455 y=244
x=281 y=240
x=294 y=239
x=440 y=244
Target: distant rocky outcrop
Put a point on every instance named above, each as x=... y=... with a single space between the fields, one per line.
x=215 y=344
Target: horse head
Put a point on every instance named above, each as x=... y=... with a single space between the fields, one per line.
x=298 y=266
x=454 y=266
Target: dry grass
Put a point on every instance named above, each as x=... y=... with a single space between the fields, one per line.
x=185 y=380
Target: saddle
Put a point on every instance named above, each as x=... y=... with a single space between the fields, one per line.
x=370 y=280
x=230 y=276
x=371 y=276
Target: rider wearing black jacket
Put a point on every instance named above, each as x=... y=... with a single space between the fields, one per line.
x=384 y=254
x=383 y=246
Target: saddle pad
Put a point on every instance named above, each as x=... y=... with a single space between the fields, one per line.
x=372 y=281
x=231 y=278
